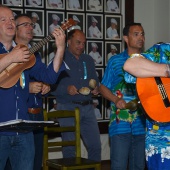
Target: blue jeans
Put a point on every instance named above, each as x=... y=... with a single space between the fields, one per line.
x=38 y=141
x=127 y=149
x=89 y=131
x=19 y=149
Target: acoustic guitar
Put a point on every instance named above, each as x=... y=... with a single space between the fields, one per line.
x=154 y=96
x=11 y=74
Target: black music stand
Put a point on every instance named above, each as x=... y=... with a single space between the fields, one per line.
x=21 y=125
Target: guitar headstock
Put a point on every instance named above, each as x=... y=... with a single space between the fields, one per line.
x=69 y=23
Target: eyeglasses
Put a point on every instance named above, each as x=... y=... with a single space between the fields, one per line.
x=27 y=24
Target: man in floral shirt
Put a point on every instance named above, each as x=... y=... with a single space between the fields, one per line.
x=153 y=63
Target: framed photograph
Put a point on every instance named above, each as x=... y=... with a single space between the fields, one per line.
x=94 y=5
x=17 y=3
x=112 y=6
x=113 y=27
x=111 y=49
x=99 y=72
x=51 y=103
x=95 y=50
x=17 y=11
x=54 y=20
x=107 y=109
x=34 y=3
x=94 y=26
x=51 y=50
x=41 y=50
x=75 y=5
x=38 y=20
x=79 y=20
x=98 y=107
x=55 y=4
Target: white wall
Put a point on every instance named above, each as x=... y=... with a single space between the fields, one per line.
x=154 y=16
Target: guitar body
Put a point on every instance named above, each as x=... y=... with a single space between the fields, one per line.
x=154 y=95
x=12 y=73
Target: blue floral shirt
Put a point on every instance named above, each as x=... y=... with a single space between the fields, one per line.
x=122 y=121
x=158 y=134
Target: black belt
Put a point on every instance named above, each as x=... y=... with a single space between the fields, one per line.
x=83 y=103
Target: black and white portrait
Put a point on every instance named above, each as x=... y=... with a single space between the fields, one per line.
x=94 y=27
x=38 y=20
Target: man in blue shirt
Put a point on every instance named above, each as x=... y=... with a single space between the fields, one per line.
x=36 y=89
x=19 y=147
x=81 y=71
x=127 y=127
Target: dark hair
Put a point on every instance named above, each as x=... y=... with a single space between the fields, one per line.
x=72 y=32
x=127 y=28
x=22 y=15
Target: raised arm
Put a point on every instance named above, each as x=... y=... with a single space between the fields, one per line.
x=142 y=67
x=60 y=44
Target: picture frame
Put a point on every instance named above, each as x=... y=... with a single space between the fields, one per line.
x=112 y=6
x=113 y=27
x=41 y=50
x=51 y=47
x=94 y=5
x=98 y=107
x=111 y=49
x=94 y=26
x=39 y=21
x=100 y=72
x=15 y=3
x=75 y=5
x=95 y=50
x=79 y=18
x=107 y=109
x=54 y=20
x=51 y=103
x=17 y=11
x=34 y=3
x=55 y=4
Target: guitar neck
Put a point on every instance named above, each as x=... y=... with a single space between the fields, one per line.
x=41 y=43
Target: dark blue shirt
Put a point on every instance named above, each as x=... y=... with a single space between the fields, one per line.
x=79 y=73
x=14 y=100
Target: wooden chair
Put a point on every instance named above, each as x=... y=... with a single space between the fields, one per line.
x=66 y=163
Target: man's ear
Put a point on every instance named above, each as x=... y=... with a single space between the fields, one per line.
x=125 y=38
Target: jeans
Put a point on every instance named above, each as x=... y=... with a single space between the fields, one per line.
x=127 y=149
x=19 y=149
x=89 y=131
x=38 y=141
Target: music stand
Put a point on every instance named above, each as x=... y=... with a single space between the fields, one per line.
x=21 y=125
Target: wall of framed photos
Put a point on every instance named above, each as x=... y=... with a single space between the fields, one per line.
x=86 y=12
